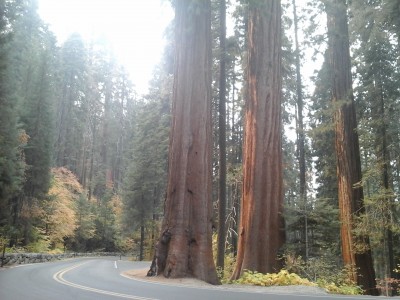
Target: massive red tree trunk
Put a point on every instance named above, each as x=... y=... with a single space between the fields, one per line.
x=347 y=147
x=261 y=232
x=185 y=246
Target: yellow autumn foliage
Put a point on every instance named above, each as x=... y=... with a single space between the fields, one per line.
x=117 y=207
x=284 y=278
x=273 y=279
x=61 y=219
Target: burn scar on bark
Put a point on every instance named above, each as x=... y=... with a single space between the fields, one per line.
x=242 y=231
x=160 y=256
x=166 y=237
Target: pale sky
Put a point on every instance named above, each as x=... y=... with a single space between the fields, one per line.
x=135 y=29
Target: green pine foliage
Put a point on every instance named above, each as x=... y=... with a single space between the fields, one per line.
x=31 y=73
x=52 y=113
x=72 y=107
x=145 y=180
x=377 y=92
x=325 y=214
x=11 y=138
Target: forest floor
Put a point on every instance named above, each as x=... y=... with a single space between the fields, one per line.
x=195 y=283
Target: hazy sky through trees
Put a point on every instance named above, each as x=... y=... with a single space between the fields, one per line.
x=134 y=28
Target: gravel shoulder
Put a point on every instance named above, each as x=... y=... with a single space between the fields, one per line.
x=195 y=283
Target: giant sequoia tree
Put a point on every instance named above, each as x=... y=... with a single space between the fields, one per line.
x=184 y=247
x=261 y=233
x=347 y=147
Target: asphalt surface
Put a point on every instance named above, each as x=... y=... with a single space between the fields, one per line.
x=98 y=279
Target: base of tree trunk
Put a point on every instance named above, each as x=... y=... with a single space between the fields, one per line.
x=160 y=260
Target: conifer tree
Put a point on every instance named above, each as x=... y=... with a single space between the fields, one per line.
x=71 y=106
x=261 y=232
x=327 y=232
x=32 y=80
x=11 y=163
x=185 y=245
x=347 y=147
x=377 y=93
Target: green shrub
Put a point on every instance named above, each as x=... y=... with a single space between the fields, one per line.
x=229 y=266
x=229 y=261
x=40 y=246
x=324 y=271
x=343 y=289
x=340 y=283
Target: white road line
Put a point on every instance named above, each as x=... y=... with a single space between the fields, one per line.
x=59 y=278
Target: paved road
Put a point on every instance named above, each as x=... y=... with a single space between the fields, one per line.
x=89 y=279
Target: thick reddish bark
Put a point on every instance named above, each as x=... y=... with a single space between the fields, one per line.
x=261 y=232
x=185 y=246
x=347 y=147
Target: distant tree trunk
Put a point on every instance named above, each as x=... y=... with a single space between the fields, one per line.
x=184 y=248
x=261 y=232
x=154 y=217
x=383 y=156
x=83 y=163
x=222 y=139
x=104 y=152
x=300 y=132
x=235 y=158
x=92 y=154
x=347 y=147
x=141 y=251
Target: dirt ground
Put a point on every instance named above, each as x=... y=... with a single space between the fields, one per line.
x=142 y=276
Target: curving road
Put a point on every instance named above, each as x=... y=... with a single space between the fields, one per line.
x=99 y=279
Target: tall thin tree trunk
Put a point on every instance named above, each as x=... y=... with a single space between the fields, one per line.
x=104 y=152
x=141 y=250
x=222 y=139
x=347 y=147
x=234 y=159
x=83 y=164
x=261 y=232
x=154 y=217
x=300 y=132
x=92 y=152
x=384 y=158
x=184 y=248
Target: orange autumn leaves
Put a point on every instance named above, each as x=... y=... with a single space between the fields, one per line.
x=61 y=217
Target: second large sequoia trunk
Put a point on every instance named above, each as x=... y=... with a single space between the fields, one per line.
x=347 y=148
x=261 y=232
